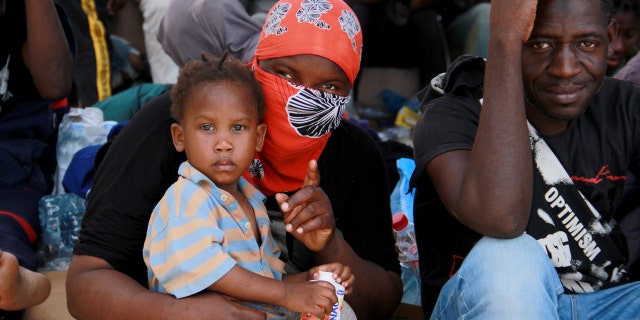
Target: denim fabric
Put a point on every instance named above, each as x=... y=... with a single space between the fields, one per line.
x=514 y=279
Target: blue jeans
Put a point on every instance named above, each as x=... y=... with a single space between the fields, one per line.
x=514 y=279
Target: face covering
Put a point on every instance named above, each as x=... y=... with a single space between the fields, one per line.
x=299 y=123
x=299 y=119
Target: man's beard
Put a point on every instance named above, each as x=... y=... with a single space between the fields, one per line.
x=542 y=110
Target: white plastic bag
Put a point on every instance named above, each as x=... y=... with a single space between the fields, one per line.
x=79 y=128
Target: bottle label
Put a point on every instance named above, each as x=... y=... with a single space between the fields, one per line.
x=336 y=311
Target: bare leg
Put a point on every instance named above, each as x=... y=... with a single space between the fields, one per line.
x=20 y=287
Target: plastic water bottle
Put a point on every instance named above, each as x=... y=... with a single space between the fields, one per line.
x=60 y=219
x=408 y=257
x=405 y=241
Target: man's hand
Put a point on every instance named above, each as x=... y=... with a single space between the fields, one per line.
x=513 y=16
x=307 y=214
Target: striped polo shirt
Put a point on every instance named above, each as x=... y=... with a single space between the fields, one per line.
x=198 y=232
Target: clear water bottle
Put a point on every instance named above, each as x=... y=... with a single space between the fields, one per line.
x=405 y=241
x=60 y=219
x=408 y=257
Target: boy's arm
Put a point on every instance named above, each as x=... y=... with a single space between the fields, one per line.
x=295 y=277
x=302 y=296
x=96 y=291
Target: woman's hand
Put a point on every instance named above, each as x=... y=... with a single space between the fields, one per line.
x=307 y=214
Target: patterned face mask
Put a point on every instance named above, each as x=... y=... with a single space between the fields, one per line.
x=311 y=113
x=299 y=122
x=299 y=119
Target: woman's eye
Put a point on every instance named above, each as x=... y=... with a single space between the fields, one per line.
x=329 y=86
x=285 y=75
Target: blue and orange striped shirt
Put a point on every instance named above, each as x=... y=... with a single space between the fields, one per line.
x=198 y=232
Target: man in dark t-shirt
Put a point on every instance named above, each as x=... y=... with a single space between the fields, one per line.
x=533 y=140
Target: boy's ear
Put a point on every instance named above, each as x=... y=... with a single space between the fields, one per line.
x=262 y=131
x=178 y=136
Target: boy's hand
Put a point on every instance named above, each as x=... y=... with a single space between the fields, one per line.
x=316 y=297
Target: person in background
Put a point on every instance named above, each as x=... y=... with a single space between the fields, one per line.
x=89 y=21
x=35 y=69
x=163 y=69
x=190 y=28
x=219 y=107
x=402 y=34
x=466 y=24
x=306 y=80
x=521 y=161
x=627 y=14
x=628 y=212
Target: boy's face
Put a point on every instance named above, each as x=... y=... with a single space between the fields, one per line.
x=220 y=131
x=564 y=60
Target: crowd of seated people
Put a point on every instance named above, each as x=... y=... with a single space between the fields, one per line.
x=344 y=216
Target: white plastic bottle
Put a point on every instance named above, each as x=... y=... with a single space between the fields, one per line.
x=408 y=257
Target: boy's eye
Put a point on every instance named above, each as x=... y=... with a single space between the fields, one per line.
x=206 y=127
x=238 y=127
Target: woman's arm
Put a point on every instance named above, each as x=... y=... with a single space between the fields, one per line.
x=377 y=292
x=96 y=291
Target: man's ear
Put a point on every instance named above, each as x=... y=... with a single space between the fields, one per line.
x=612 y=33
x=262 y=132
x=178 y=136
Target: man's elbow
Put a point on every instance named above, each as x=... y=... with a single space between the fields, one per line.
x=509 y=229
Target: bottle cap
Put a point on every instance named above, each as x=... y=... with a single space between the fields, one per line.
x=400 y=221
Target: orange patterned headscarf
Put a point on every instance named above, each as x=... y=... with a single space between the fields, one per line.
x=299 y=119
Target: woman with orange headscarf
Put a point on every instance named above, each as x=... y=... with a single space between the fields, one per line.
x=306 y=59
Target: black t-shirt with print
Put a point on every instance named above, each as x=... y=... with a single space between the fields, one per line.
x=142 y=163
x=597 y=150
